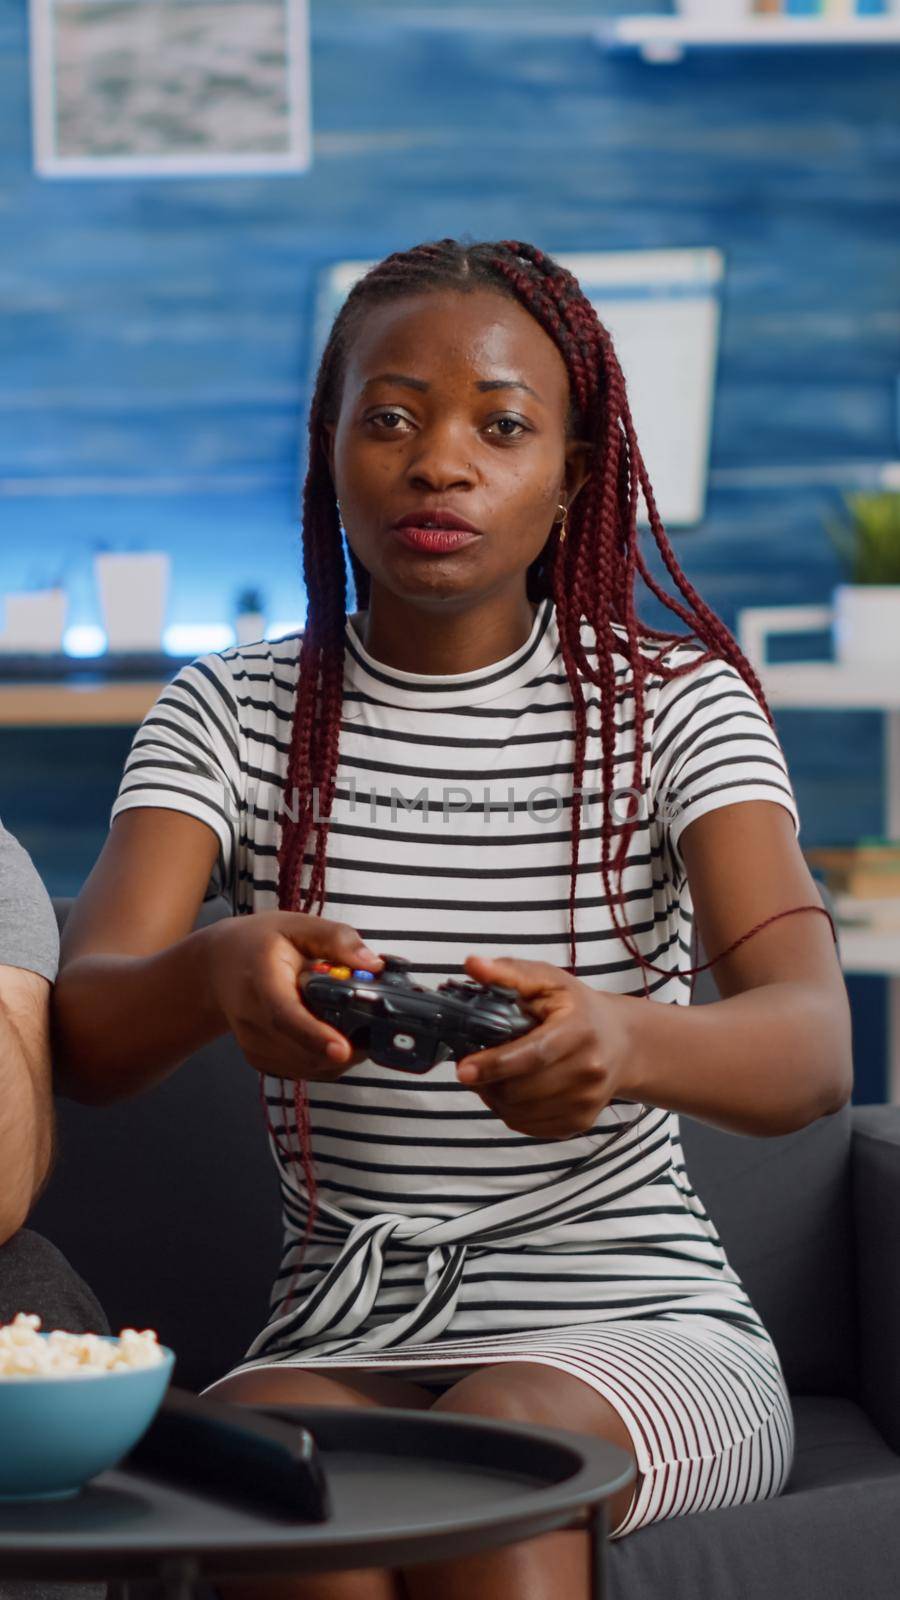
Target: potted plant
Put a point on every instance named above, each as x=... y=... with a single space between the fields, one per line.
x=250 y=616
x=867 y=604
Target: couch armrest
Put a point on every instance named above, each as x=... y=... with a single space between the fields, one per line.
x=875 y=1150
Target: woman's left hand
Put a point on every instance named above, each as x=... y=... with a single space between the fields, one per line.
x=554 y=1081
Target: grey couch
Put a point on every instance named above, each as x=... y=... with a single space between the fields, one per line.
x=168 y=1206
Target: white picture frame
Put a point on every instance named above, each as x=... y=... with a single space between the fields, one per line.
x=663 y=310
x=178 y=108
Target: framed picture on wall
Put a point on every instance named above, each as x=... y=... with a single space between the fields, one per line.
x=156 y=87
x=662 y=309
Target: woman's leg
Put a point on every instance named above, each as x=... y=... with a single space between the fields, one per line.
x=292 y=1386
x=555 y=1566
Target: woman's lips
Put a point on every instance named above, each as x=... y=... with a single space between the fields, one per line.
x=437 y=541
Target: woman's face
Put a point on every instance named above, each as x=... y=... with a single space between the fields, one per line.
x=453 y=401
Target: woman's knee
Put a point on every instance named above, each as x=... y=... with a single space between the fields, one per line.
x=528 y=1392
x=523 y=1391
x=296 y=1386
x=290 y=1387
x=504 y=1393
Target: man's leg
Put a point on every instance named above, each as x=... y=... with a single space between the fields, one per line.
x=36 y=1277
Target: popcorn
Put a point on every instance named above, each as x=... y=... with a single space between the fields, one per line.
x=24 y=1353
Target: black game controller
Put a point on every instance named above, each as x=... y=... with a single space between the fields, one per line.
x=399 y=1024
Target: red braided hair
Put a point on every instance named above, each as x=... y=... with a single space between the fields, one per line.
x=591 y=576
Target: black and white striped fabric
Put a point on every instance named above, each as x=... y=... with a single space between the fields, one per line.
x=443 y=1240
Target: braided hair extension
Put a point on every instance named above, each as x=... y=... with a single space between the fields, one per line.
x=590 y=575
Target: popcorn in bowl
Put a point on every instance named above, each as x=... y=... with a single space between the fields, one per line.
x=27 y=1353
x=72 y=1405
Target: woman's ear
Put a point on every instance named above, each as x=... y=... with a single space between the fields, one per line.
x=579 y=456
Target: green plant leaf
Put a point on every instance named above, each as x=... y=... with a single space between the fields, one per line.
x=867 y=540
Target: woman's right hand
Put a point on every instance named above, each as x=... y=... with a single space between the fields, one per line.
x=254 y=963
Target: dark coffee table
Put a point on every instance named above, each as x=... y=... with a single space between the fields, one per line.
x=406 y=1487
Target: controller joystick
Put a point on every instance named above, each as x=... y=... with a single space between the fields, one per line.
x=399 y=1023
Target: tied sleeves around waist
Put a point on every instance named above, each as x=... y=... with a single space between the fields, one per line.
x=341 y=1302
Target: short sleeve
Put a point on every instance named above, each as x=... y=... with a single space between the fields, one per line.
x=29 y=937
x=186 y=755
x=713 y=746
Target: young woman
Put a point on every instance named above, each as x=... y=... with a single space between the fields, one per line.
x=491 y=768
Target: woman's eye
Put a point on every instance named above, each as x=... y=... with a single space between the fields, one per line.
x=383 y=417
x=379 y=416
x=515 y=422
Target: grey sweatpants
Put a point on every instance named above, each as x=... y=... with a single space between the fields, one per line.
x=35 y=1276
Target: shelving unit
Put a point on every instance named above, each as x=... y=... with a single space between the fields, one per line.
x=60 y=691
x=663 y=39
x=828 y=686
x=76 y=705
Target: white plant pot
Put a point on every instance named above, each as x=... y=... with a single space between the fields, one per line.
x=715 y=10
x=249 y=627
x=133 y=593
x=867 y=624
x=35 y=621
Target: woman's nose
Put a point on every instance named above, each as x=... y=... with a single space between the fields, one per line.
x=441 y=458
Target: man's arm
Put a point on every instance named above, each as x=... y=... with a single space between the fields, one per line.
x=29 y=957
x=26 y=1101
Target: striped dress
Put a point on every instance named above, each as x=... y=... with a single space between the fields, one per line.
x=445 y=1241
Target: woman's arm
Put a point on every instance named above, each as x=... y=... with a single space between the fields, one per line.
x=133 y=997
x=138 y=991
x=771 y=1056
x=775 y=1052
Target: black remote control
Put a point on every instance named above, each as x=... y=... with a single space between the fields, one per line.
x=400 y=1024
x=237 y=1452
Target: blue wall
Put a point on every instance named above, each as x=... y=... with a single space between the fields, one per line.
x=154 y=352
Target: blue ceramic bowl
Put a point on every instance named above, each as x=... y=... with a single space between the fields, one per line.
x=59 y=1432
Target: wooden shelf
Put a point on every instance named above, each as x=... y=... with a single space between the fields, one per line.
x=74 y=705
x=665 y=39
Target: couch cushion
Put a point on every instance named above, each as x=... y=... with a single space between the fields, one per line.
x=783 y=1210
x=833 y=1534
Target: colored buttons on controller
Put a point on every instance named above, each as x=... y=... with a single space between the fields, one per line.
x=339 y=972
x=363 y=975
x=322 y=966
